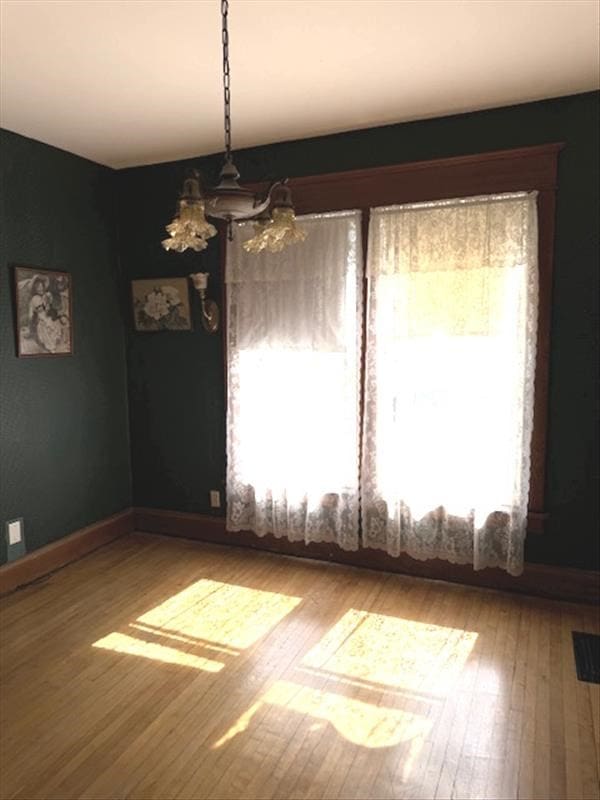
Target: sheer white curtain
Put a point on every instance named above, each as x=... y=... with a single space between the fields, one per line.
x=451 y=339
x=293 y=420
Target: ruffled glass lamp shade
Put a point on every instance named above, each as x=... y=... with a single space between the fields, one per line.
x=280 y=230
x=190 y=228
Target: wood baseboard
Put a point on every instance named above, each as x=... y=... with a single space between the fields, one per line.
x=40 y=562
x=557 y=583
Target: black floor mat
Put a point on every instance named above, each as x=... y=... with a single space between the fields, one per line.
x=587 y=656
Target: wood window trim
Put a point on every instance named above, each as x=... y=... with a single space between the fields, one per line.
x=516 y=170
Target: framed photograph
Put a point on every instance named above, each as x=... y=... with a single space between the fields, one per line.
x=161 y=304
x=44 y=318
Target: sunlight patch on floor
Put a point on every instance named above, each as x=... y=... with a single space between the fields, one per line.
x=219 y=617
x=374 y=678
x=393 y=652
x=223 y=613
x=359 y=722
x=399 y=667
x=165 y=633
x=121 y=643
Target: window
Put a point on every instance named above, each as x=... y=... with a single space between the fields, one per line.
x=432 y=366
x=294 y=323
x=451 y=338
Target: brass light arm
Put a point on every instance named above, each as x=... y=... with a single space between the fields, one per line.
x=210 y=310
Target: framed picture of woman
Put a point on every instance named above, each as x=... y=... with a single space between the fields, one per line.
x=44 y=319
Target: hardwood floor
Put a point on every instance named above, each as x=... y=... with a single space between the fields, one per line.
x=161 y=668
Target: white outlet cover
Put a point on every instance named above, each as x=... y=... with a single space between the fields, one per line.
x=14 y=532
x=215 y=499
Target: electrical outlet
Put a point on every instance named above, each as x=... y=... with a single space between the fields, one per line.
x=15 y=534
x=215 y=498
x=15 y=539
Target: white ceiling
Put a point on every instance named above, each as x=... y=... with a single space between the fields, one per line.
x=128 y=82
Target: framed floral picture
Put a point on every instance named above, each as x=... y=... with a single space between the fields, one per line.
x=161 y=304
x=44 y=318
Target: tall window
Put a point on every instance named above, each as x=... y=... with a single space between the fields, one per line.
x=453 y=334
x=293 y=384
x=451 y=339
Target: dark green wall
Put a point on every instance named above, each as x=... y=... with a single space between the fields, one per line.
x=64 y=455
x=64 y=459
x=176 y=379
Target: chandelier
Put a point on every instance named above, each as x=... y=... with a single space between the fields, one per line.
x=275 y=221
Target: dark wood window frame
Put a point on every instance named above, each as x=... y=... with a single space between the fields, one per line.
x=523 y=169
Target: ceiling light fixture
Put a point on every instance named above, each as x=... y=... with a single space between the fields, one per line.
x=275 y=226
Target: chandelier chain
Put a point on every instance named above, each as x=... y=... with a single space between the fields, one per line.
x=228 y=201
x=226 y=78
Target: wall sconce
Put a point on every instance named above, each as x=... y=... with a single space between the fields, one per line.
x=210 y=310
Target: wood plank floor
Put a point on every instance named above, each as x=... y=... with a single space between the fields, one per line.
x=160 y=668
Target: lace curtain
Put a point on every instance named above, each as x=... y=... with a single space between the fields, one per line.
x=451 y=339
x=293 y=384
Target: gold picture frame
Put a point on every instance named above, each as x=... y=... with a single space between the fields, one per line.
x=161 y=304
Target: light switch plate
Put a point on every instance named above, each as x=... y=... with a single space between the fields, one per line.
x=215 y=498
x=15 y=534
x=15 y=539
